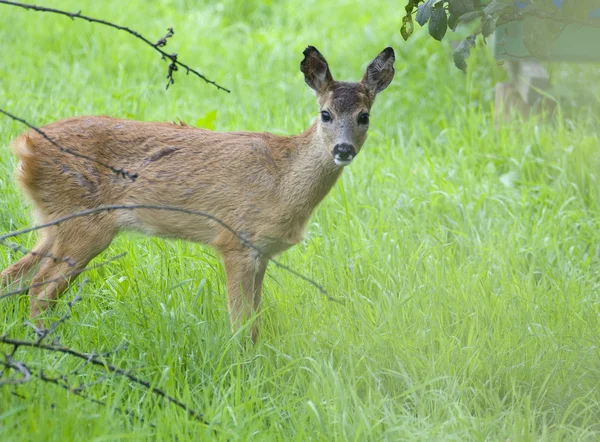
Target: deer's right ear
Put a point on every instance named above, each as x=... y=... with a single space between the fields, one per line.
x=315 y=69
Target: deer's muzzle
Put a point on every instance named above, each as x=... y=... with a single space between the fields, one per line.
x=343 y=154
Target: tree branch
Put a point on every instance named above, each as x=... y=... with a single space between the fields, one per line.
x=239 y=235
x=156 y=46
x=11 y=363
x=48 y=281
x=91 y=359
x=119 y=171
x=507 y=18
x=79 y=392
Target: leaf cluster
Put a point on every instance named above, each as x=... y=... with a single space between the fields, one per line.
x=544 y=20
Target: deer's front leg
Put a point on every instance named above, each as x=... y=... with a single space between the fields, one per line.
x=245 y=273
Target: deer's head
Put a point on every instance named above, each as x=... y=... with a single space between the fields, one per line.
x=344 y=106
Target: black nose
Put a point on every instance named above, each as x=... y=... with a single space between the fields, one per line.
x=344 y=151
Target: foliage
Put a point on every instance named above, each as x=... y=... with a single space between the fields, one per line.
x=544 y=20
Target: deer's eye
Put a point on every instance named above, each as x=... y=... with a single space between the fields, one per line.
x=363 y=118
x=325 y=116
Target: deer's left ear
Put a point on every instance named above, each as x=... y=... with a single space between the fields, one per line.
x=380 y=72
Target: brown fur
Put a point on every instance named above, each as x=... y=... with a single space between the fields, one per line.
x=261 y=185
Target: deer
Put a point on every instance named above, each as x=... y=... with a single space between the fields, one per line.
x=259 y=185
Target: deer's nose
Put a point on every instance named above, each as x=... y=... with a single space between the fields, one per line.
x=343 y=154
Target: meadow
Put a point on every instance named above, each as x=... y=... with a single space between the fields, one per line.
x=466 y=254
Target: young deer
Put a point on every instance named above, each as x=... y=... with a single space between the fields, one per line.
x=265 y=187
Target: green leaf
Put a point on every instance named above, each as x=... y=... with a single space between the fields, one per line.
x=452 y=21
x=207 y=121
x=424 y=12
x=438 y=23
x=489 y=26
x=462 y=52
x=407 y=27
x=461 y=7
x=463 y=11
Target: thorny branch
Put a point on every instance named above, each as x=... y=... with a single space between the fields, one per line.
x=19 y=248
x=94 y=360
x=118 y=171
x=48 y=281
x=156 y=46
x=10 y=363
x=109 y=208
x=43 y=334
x=61 y=381
x=163 y=41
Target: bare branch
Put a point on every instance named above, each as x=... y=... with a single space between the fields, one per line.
x=156 y=46
x=116 y=170
x=241 y=236
x=48 y=281
x=519 y=15
x=61 y=382
x=108 y=367
x=11 y=363
x=45 y=333
x=19 y=248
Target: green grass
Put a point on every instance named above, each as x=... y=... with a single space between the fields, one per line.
x=467 y=255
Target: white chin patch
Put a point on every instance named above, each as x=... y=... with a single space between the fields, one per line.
x=340 y=162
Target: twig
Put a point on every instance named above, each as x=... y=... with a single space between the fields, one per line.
x=79 y=392
x=11 y=363
x=48 y=281
x=156 y=46
x=121 y=347
x=19 y=248
x=124 y=173
x=557 y=18
x=45 y=333
x=109 y=367
x=163 y=41
x=83 y=386
x=502 y=44
x=113 y=207
x=85 y=364
x=61 y=382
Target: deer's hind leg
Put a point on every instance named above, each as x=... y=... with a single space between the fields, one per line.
x=25 y=266
x=76 y=243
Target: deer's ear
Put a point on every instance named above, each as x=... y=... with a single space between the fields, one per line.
x=380 y=72
x=315 y=69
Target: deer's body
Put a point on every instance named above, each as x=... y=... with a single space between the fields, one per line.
x=262 y=186
x=256 y=192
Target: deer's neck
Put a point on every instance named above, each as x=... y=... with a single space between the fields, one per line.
x=311 y=173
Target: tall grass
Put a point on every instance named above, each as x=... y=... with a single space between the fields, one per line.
x=467 y=255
